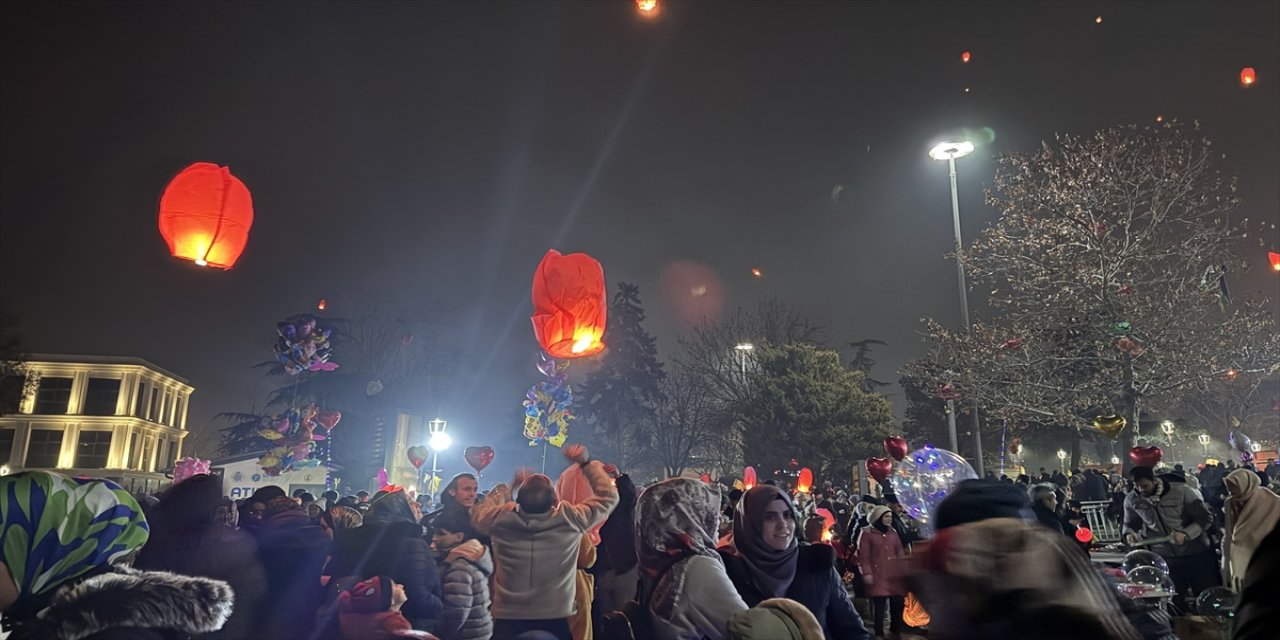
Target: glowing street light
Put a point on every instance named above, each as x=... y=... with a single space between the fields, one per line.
x=744 y=349
x=438 y=441
x=1204 y=444
x=1062 y=460
x=1255 y=446
x=949 y=151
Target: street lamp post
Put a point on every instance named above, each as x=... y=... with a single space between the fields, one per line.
x=949 y=151
x=439 y=441
x=1168 y=428
x=744 y=349
x=1204 y=445
x=1062 y=460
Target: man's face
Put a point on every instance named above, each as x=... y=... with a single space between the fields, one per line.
x=1050 y=502
x=895 y=507
x=443 y=540
x=1145 y=486
x=465 y=492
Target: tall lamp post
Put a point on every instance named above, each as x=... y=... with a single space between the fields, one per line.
x=950 y=151
x=1168 y=428
x=1204 y=445
x=439 y=441
x=1062 y=460
x=744 y=349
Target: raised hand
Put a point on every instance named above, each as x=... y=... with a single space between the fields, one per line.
x=576 y=453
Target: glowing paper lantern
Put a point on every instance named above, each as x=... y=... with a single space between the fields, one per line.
x=964 y=57
x=1248 y=77
x=757 y=273
x=1275 y=260
x=647 y=6
x=749 y=477
x=913 y=613
x=205 y=215
x=805 y=481
x=321 y=304
x=569 y=305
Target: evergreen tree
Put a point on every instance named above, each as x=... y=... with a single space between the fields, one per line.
x=619 y=399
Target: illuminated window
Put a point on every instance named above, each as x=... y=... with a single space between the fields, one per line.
x=100 y=397
x=53 y=396
x=92 y=449
x=44 y=448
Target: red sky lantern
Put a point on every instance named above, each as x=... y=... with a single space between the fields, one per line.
x=321 y=304
x=1248 y=77
x=205 y=215
x=964 y=57
x=805 y=481
x=1275 y=260
x=749 y=477
x=570 y=305
x=647 y=7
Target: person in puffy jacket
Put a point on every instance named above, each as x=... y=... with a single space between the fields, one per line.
x=1162 y=507
x=465 y=568
x=881 y=560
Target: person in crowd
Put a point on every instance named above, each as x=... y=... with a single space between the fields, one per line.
x=370 y=610
x=907 y=532
x=990 y=573
x=362 y=496
x=1024 y=480
x=292 y=551
x=1258 y=614
x=390 y=543
x=1044 y=504
x=253 y=509
x=814 y=528
x=685 y=593
x=189 y=538
x=465 y=569
x=775 y=619
x=1161 y=508
x=330 y=497
x=881 y=558
x=536 y=541
x=615 y=568
x=460 y=496
x=766 y=562
x=344 y=519
x=573 y=487
x=1044 y=476
x=63 y=573
x=1252 y=512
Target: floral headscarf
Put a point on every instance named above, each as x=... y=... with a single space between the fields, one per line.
x=57 y=528
x=676 y=518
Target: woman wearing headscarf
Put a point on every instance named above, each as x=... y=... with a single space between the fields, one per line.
x=880 y=559
x=190 y=535
x=390 y=543
x=1252 y=512
x=766 y=561
x=684 y=588
x=62 y=574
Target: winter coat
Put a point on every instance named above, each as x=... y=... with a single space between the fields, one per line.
x=706 y=601
x=292 y=552
x=221 y=553
x=536 y=555
x=584 y=592
x=465 y=573
x=1177 y=507
x=617 y=549
x=1046 y=517
x=880 y=558
x=126 y=604
x=396 y=550
x=816 y=585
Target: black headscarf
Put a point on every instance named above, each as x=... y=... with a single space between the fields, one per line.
x=771 y=569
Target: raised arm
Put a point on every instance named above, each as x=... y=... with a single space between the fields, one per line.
x=595 y=509
x=485 y=514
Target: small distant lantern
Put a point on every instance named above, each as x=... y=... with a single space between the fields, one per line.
x=804 y=483
x=205 y=215
x=647 y=6
x=570 y=305
x=1275 y=260
x=1248 y=77
x=321 y=304
x=964 y=57
x=1098 y=20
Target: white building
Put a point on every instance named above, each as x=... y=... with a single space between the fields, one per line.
x=123 y=419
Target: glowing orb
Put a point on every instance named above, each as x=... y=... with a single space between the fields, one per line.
x=647 y=6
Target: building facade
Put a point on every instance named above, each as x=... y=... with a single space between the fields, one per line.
x=123 y=419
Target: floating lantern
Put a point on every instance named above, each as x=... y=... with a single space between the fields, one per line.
x=205 y=215
x=964 y=57
x=569 y=305
x=1248 y=77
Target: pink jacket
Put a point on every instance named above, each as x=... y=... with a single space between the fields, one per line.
x=881 y=561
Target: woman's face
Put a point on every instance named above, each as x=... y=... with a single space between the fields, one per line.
x=887 y=518
x=779 y=525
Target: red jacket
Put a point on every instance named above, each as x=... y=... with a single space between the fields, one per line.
x=881 y=561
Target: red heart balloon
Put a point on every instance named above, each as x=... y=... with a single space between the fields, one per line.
x=328 y=419
x=478 y=457
x=879 y=468
x=896 y=447
x=1146 y=456
x=417 y=456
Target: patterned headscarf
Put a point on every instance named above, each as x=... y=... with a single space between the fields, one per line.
x=676 y=518
x=57 y=528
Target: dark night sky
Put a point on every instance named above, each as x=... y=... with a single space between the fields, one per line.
x=435 y=151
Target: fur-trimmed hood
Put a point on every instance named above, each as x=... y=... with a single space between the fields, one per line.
x=126 y=598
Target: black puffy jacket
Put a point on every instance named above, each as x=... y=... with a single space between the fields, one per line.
x=399 y=551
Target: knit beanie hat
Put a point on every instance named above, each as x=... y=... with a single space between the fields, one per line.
x=975 y=500
x=775 y=619
x=369 y=596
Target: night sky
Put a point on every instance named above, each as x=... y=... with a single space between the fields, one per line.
x=434 y=151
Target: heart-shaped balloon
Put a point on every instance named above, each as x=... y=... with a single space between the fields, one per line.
x=896 y=447
x=879 y=468
x=328 y=419
x=1111 y=426
x=1145 y=456
x=417 y=456
x=705 y=478
x=478 y=457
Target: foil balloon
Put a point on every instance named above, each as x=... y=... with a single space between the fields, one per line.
x=1145 y=456
x=879 y=468
x=187 y=467
x=382 y=479
x=749 y=478
x=705 y=478
x=302 y=345
x=478 y=457
x=1110 y=426
x=924 y=478
x=896 y=447
x=1242 y=446
x=547 y=404
x=417 y=455
x=328 y=419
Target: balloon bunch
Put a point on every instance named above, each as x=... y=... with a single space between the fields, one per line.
x=546 y=405
x=188 y=467
x=302 y=346
x=294 y=434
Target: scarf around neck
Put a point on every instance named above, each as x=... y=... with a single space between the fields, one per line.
x=771 y=570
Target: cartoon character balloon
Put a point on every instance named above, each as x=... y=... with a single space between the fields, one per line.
x=924 y=478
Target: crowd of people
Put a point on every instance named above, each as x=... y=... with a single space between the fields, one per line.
x=591 y=555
